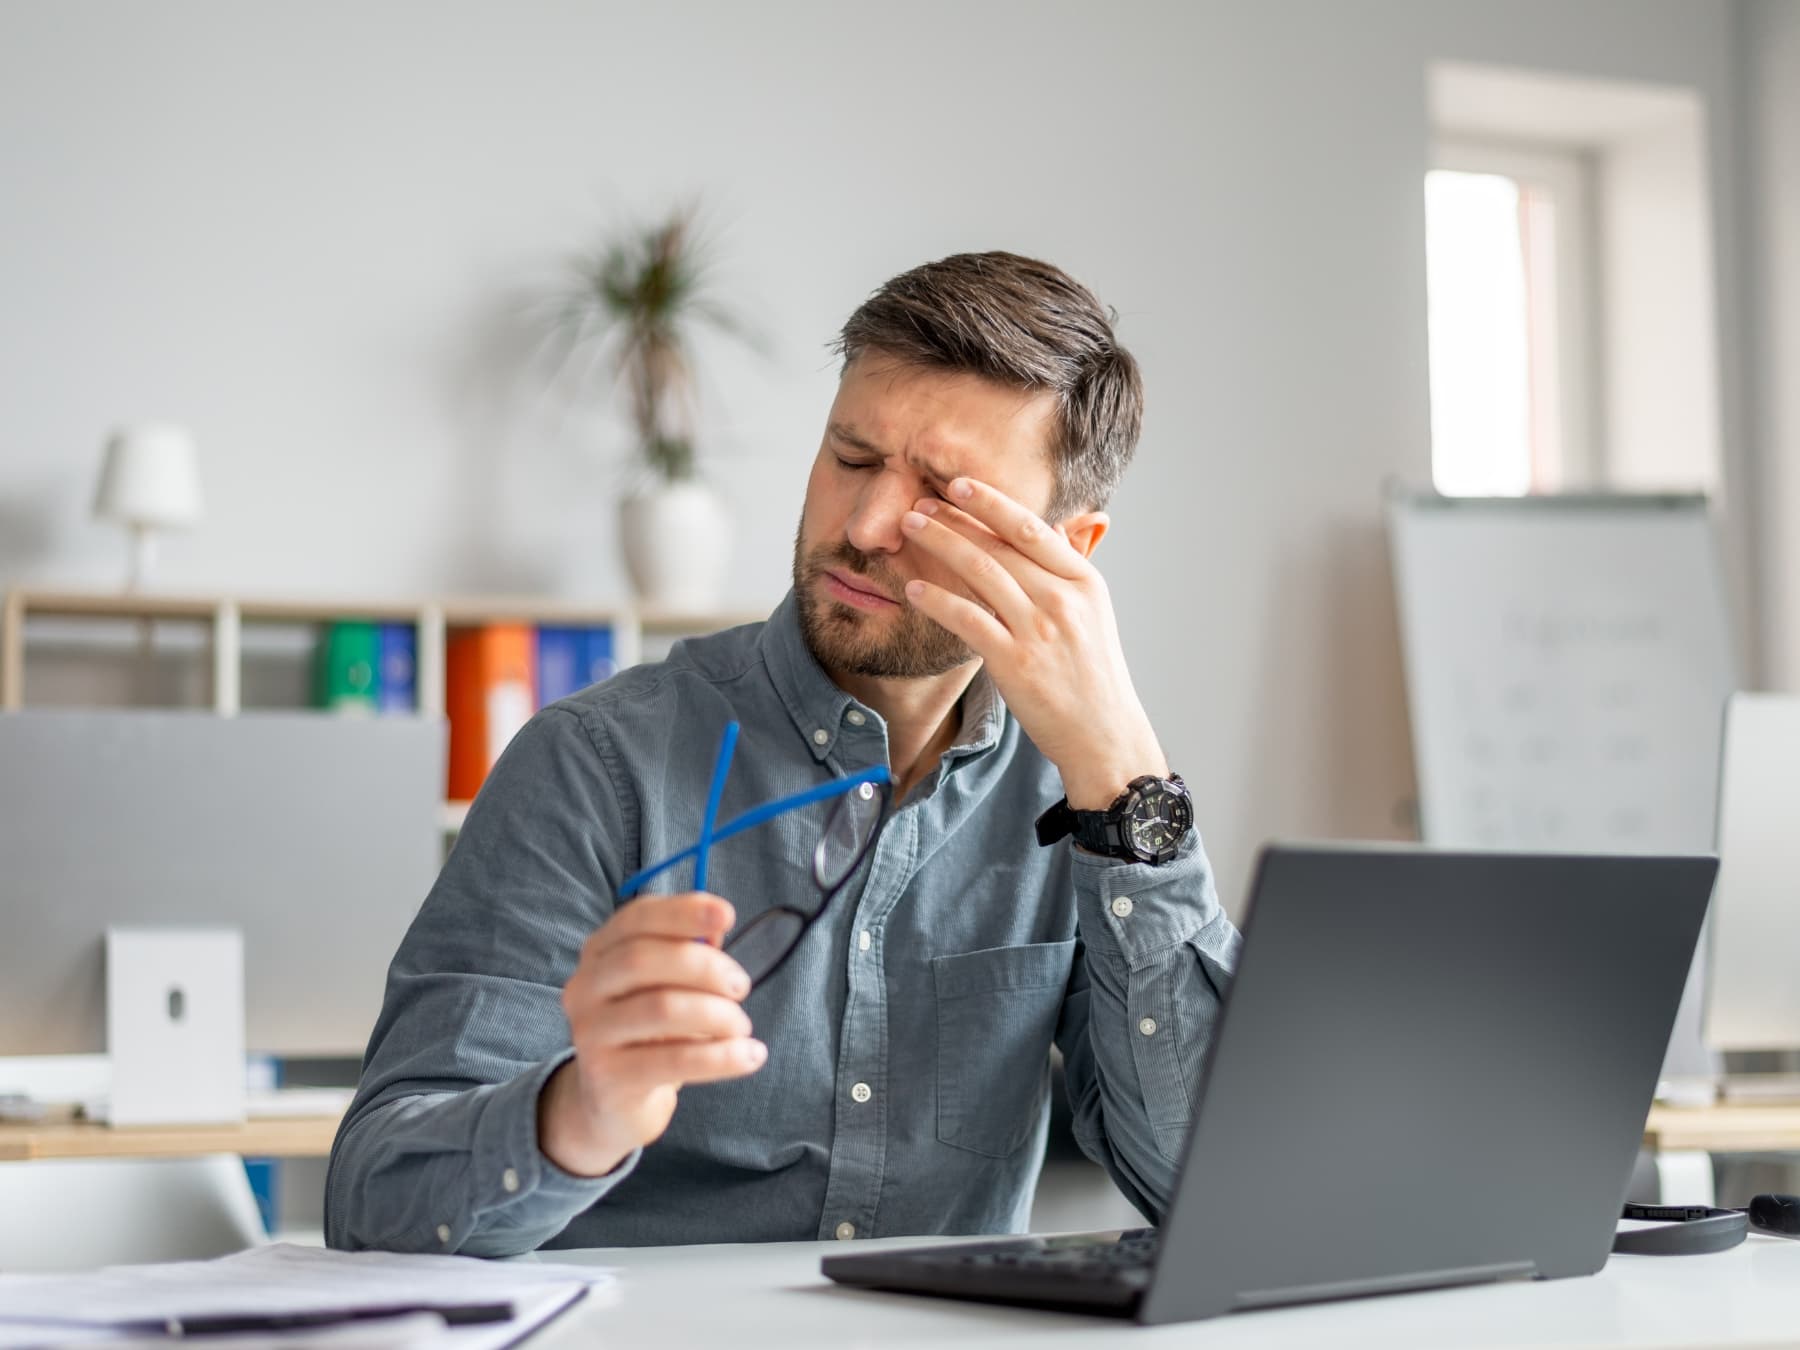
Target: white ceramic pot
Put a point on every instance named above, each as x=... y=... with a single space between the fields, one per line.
x=677 y=539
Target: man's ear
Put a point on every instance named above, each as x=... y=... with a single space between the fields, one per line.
x=1085 y=530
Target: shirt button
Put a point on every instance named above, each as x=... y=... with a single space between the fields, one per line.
x=443 y=1231
x=1122 y=907
x=1147 y=1026
x=855 y=718
x=821 y=736
x=845 y=1231
x=865 y=940
x=509 y=1181
x=861 y=1092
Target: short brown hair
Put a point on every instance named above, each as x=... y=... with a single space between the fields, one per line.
x=1023 y=323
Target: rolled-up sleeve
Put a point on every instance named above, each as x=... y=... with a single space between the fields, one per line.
x=1143 y=1006
x=439 y=1151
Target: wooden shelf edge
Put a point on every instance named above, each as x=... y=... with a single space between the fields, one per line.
x=273 y=1136
x=112 y=605
x=459 y=610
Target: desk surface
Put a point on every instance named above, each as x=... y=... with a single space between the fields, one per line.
x=773 y=1296
x=271 y=1137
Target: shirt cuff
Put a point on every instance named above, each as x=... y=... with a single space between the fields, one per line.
x=1134 y=910
x=513 y=1170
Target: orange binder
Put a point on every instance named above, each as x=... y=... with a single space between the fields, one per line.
x=490 y=675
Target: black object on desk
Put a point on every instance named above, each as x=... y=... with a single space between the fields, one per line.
x=1695 y=1230
x=454 y=1314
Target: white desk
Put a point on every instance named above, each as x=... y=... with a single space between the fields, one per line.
x=772 y=1297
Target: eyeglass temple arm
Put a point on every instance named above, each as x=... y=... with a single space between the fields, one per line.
x=721 y=767
x=756 y=816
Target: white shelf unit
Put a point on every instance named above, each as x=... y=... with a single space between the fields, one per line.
x=224 y=618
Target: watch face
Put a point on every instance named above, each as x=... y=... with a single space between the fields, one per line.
x=1158 y=821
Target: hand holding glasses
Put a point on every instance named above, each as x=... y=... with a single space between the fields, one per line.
x=653 y=1004
x=761 y=945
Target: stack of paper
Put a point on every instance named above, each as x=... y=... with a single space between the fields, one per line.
x=297 y=1296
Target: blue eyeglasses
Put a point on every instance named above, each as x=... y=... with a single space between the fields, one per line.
x=761 y=945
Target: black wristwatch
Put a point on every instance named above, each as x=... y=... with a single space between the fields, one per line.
x=1146 y=823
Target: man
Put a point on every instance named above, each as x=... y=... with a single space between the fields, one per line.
x=946 y=622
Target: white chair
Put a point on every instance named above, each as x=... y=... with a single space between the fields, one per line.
x=75 y=1214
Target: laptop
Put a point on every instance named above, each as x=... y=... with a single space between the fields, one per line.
x=1433 y=1069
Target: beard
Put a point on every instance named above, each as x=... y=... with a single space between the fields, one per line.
x=849 y=641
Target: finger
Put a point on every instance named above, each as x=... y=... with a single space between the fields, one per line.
x=664 y=1015
x=1019 y=526
x=986 y=636
x=664 y=963
x=692 y=914
x=979 y=567
x=1035 y=580
x=641 y=1066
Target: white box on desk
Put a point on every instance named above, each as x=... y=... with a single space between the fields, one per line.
x=175 y=1025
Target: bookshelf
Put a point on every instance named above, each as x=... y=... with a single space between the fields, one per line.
x=217 y=627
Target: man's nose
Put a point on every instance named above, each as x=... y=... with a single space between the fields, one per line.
x=875 y=524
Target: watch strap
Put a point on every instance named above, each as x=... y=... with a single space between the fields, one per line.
x=1056 y=823
x=1101 y=832
x=1096 y=831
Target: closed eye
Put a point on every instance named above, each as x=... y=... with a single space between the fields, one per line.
x=936 y=489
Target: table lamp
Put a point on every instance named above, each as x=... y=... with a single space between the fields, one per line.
x=149 y=481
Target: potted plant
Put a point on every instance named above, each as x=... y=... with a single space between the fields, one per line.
x=636 y=304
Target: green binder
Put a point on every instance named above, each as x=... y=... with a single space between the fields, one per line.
x=348 y=659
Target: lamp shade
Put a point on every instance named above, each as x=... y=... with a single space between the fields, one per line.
x=151 y=477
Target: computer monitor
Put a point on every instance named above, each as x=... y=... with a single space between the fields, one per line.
x=317 y=835
x=1753 y=993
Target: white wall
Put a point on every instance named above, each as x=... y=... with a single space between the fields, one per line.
x=1661 y=372
x=1771 y=45
x=302 y=230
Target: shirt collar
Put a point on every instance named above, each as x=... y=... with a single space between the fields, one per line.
x=983 y=718
x=818 y=707
x=812 y=700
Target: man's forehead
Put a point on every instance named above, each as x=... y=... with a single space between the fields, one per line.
x=945 y=424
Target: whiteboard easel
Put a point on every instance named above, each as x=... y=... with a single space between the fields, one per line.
x=1567 y=660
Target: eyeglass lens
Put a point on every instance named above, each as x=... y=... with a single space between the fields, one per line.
x=765 y=940
x=847 y=834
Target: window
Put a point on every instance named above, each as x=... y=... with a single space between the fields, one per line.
x=1507 y=274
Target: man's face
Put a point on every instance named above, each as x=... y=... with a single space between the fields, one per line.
x=896 y=433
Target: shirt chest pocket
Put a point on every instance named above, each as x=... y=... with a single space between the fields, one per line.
x=996 y=1015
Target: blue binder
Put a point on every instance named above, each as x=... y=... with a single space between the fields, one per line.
x=597 y=654
x=559 y=664
x=570 y=659
x=397 y=684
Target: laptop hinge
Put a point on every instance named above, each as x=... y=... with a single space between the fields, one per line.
x=1385 y=1284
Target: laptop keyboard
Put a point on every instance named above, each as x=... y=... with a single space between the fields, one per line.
x=1098 y=1262
x=1102 y=1273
